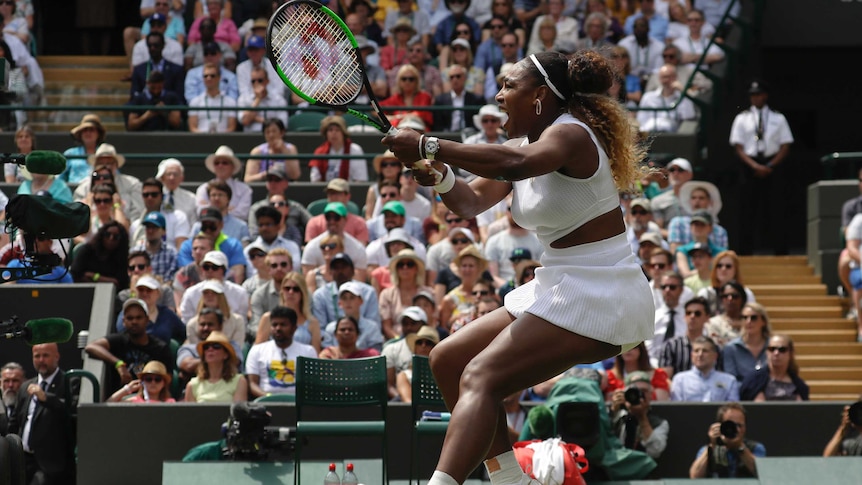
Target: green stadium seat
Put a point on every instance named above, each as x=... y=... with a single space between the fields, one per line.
x=315 y=208
x=305 y=121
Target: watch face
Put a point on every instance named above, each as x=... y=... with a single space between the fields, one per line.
x=431 y=146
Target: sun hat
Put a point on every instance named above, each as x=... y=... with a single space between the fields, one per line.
x=488 y=110
x=407 y=254
x=223 y=151
x=219 y=338
x=106 y=150
x=425 y=333
x=88 y=121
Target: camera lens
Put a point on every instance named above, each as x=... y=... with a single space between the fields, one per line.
x=855 y=413
x=729 y=429
x=634 y=395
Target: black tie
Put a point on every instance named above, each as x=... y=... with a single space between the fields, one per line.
x=671 y=326
x=761 y=144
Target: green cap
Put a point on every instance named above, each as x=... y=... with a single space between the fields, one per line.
x=338 y=208
x=394 y=206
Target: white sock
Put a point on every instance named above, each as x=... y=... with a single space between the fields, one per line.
x=504 y=469
x=441 y=478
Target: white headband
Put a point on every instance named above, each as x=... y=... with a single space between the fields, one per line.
x=545 y=74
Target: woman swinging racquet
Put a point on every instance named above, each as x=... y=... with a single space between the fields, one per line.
x=589 y=300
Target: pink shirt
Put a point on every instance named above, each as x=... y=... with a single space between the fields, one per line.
x=225 y=32
x=355 y=227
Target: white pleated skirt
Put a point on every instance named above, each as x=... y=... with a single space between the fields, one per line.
x=596 y=290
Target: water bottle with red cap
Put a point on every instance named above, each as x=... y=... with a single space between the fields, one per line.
x=331 y=477
x=349 y=477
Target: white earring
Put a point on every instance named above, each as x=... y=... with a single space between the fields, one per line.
x=538 y=107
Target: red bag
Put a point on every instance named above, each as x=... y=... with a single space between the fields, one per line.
x=552 y=461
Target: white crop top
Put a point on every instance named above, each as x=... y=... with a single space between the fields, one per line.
x=553 y=204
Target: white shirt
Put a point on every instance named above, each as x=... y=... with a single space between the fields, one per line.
x=240 y=200
x=236 y=296
x=177 y=225
x=243 y=76
x=31 y=409
x=376 y=251
x=776 y=131
x=278 y=242
x=458 y=121
x=419 y=207
x=665 y=121
x=643 y=59
x=358 y=167
x=356 y=250
x=567 y=34
x=690 y=46
x=172 y=51
x=272 y=99
x=680 y=327
x=499 y=247
x=276 y=367
x=213 y=121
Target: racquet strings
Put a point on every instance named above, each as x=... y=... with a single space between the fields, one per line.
x=316 y=55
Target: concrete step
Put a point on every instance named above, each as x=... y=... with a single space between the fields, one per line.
x=83 y=62
x=828 y=348
x=814 y=312
x=111 y=126
x=777 y=289
x=791 y=270
x=798 y=300
x=87 y=87
x=88 y=74
x=846 y=397
x=87 y=100
x=788 y=324
x=818 y=387
x=826 y=360
x=771 y=261
x=779 y=279
x=799 y=336
x=826 y=373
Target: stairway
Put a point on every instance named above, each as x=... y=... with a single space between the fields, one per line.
x=799 y=305
x=82 y=81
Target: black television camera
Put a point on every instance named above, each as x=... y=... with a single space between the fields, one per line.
x=634 y=395
x=855 y=413
x=249 y=437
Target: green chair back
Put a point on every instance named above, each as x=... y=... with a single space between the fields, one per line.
x=316 y=207
x=176 y=389
x=279 y=397
x=305 y=121
x=425 y=396
x=331 y=383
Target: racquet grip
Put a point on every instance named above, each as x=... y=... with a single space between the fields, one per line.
x=423 y=165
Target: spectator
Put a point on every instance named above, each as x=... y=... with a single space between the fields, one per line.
x=640 y=223
x=319 y=276
x=293 y=294
x=34 y=183
x=346 y=334
x=172 y=173
x=547 y=37
x=271 y=365
x=269 y=223
x=670 y=315
x=779 y=381
x=103 y=259
x=676 y=353
x=133 y=34
x=12 y=23
x=525 y=272
x=670 y=96
x=279 y=262
x=441 y=254
x=130 y=351
x=596 y=31
x=667 y=205
x=728 y=456
x=463 y=86
x=225 y=166
x=511 y=53
x=337 y=191
x=335 y=214
x=703 y=383
x=376 y=75
x=188 y=358
x=393 y=215
x=350 y=301
x=746 y=354
x=336 y=141
x=443 y=31
x=847 y=440
x=700 y=86
x=566 y=27
x=634 y=422
x=383 y=249
x=224 y=30
x=503 y=10
x=195 y=83
x=105 y=206
x=488 y=123
x=214 y=266
x=489 y=54
x=213 y=298
x=223 y=120
x=25 y=143
x=176 y=224
x=154 y=95
x=326 y=308
x=714 y=10
x=419 y=20
x=696 y=42
x=294 y=216
x=511 y=242
x=260 y=97
x=274 y=143
x=700 y=255
x=394 y=54
x=458 y=299
x=366 y=12
x=848 y=267
x=632 y=91
x=163 y=256
x=644 y=49
x=128 y=187
x=632 y=363
x=726 y=268
x=528 y=10
x=255 y=48
x=190 y=274
x=163 y=324
x=170 y=66
x=648 y=242
x=139 y=265
x=659 y=262
x=217 y=379
x=461 y=31
x=256 y=255
x=169 y=49
x=696 y=196
x=762 y=139
x=419 y=343
x=658 y=23
x=388 y=169
x=398 y=355
x=415 y=202
x=154 y=386
x=407 y=272
x=406 y=92
x=220 y=195
x=727 y=325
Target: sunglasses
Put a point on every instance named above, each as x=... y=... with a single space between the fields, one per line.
x=675 y=169
x=152 y=378
x=213 y=346
x=258 y=81
x=155 y=46
x=458 y=76
x=153 y=195
x=780 y=350
x=256 y=254
x=659 y=265
x=210 y=267
x=481 y=293
x=102 y=176
x=670 y=287
x=408 y=79
x=388 y=195
x=498 y=26
x=389 y=164
x=753 y=318
x=102 y=201
x=490 y=120
x=139 y=267
x=462 y=32
x=280 y=203
x=291 y=289
x=328 y=246
x=639 y=212
x=283 y=264
x=732 y=296
x=405 y=264
x=222 y=162
x=210 y=76
x=459 y=241
x=209 y=227
x=694 y=313
x=508 y=44
x=423 y=342
x=724 y=266
x=669 y=56
x=454 y=220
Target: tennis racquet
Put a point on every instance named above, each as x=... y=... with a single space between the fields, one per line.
x=316 y=56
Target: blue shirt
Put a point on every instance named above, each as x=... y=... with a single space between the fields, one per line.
x=233 y=227
x=739 y=361
x=50 y=278
x=324 y=303
x=693 y=385
x=370 y=336
x=77 y=167
x=194 y=84
x=232 y=248
x=58 y=190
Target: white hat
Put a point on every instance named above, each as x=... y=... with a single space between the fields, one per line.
x=463 y=230
x=489 y=110
x=692 y=185
x=217 y=258
x=398 y=234
x=413 y=313
x=412 y=122
x=213 y=285
x=362 y=42
x=681 y=163
x=106 y=150
x=148 y=281
x=461 y=42
x=136 y=302
x=223 y=151
x=168 y=162
x=350 y=287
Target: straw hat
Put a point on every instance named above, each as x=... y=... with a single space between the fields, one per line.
x=88 y=121
x=106 y=150
x=223 y=151
x=407 y=254
x=387 y=155
x=154 y=367
x=403 y=23
x=425 y=333
x=473 y=251
x=692 y=185
x=220 y=338
x=330 y=120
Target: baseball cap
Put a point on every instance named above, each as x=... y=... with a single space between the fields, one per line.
x=256 y=42
x=336 y=207
x=395 y=207
x=702 y=216
x=680 y=163
x=398 y=234
x=650 y=237
x=211 y=48
x=465 y=231
x=155 y=218
x=641 y=202
x=157 y=17
x=217 y=258
x=350 y=287
x=338 y=185
x=213 y=285
x=637 y=376
x=699 y=246
x=341 y=257
x=520 y=253
x=148 y=281
x=211 y=213
x=413 y=313
x=757 y=87
x=136 y=302
x=460 y=42
x=423 y=294
x=277 y=172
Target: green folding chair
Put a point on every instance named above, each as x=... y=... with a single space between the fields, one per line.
x=305 y=121
x=328 y=383
x=425 y=396
x=278 y=397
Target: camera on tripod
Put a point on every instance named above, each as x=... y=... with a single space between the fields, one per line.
x=249 y=437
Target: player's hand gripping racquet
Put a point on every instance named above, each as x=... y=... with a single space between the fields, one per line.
x=316 y=56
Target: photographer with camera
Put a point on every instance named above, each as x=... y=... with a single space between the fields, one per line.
x=633 y=420
x=847 y=440
x=729 y=453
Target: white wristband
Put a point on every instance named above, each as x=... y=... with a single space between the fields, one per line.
x=447 y=183
x=421 y=146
